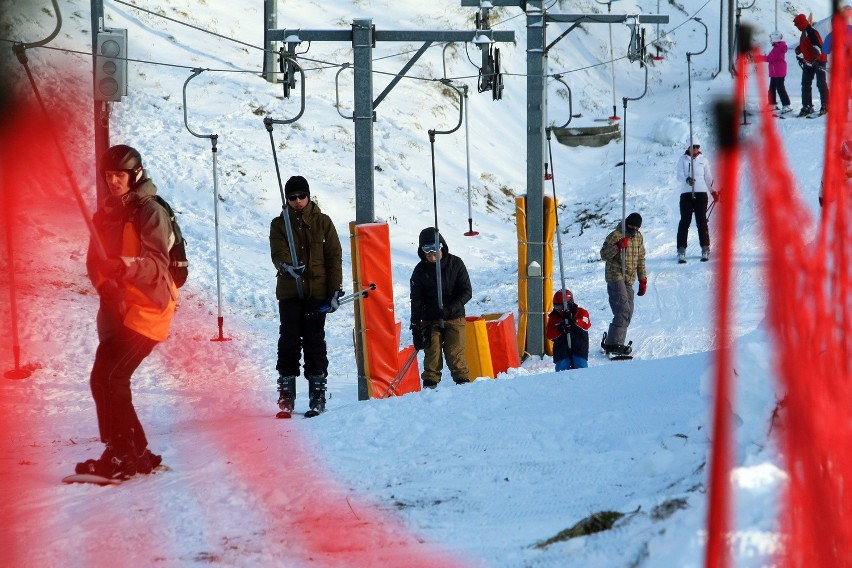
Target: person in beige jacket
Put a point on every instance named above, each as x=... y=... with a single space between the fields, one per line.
x=619 y=280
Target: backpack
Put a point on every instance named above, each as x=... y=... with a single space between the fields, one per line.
x=178 y=263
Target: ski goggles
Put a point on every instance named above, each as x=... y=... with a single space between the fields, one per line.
x=429 y=248
x=296 y=196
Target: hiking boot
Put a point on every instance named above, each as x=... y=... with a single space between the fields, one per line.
x=286 y=392
x=823 y=110
x=786 y=109
x=316 y=391
x=705 y=254
x=806 y=110
x=681 y=256
x=429 y=384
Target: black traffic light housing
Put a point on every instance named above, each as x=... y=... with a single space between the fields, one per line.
x=111 y=65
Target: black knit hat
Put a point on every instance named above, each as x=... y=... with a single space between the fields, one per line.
x=634 y=219
x=296 y=185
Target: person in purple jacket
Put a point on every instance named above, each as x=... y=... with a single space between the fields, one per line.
x=777 y=58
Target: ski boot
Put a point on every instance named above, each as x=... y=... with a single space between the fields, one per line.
x=806 y=110
x=681 y=256
x=705 y=254
x=316 y=390
x=286 y=395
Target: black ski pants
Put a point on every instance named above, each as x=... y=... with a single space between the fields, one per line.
x=116 y=359
x=808 y=73
x=302 y=329
x=688 y=207
x=776 y=86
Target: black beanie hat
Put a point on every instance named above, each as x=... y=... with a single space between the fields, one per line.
x=296 y=185
x=634 y=219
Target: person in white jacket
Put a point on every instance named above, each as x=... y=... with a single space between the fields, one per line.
x=695 y=181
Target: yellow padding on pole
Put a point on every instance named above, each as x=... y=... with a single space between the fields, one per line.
x=521 y=224
x=477 y=351
x=547 y=272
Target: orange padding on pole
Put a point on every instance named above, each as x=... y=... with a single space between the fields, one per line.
x=372 y=264
x=380 y=330
x=477 y=350
x=410 y=380
x=501 y=342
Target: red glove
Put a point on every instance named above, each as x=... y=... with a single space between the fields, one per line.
x=622 y=243
x=643 y=286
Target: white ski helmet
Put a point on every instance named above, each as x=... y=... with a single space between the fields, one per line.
x=775 y=37
x=696 y=141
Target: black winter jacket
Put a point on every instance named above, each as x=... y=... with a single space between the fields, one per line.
x=455 y=284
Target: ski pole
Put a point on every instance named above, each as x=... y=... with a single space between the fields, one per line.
x=268 y=122
x=558 y=235
x=359 y=295
x=689 y=84
x=213 y=139
x=402 y=372
x=432 y=133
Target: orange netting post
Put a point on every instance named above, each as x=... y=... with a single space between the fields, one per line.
x=810 y=323
x=809 y=311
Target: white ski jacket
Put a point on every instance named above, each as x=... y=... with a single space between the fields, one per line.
x=703 y=176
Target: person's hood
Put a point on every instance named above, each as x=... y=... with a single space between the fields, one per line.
x=428 y=236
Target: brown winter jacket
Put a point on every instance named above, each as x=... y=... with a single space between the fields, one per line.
x=634 y=258
x=137 y=229
x=317 y=247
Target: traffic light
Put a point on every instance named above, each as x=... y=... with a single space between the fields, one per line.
x=111 y=65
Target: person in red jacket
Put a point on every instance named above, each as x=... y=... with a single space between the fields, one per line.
x=568 y=329
x=813 y=63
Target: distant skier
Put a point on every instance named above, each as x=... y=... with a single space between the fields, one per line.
x=137 y=303
x=813 y=63
x=569 y=332
x=435 y=328
x=619 y=285
x=696 y=179
x=320 y=273
x=777 y=58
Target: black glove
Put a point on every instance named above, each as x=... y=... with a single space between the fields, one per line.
x=564 y=327
x=111 y=268
x=690 y=181
x=800 y=59
x=332 y=303
x=110 y=291
x=421 y=336
x=293 y=271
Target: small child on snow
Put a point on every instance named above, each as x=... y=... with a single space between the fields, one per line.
x=777 y=58
x=569 y=331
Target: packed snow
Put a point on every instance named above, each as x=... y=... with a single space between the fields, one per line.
x=484 y=474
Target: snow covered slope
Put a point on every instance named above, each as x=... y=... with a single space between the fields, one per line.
x=475 y=475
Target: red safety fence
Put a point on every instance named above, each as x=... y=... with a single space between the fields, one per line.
x=809 y=311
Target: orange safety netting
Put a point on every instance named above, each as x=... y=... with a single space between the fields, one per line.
x=810 y=318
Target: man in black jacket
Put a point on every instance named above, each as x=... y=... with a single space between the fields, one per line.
x=435 y=325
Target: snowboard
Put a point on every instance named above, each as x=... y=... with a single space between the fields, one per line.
x=91 y=479
x=615 y=357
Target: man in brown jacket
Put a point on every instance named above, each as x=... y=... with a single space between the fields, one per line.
x=137 y=303
x=308 y=287
x=620 y=278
